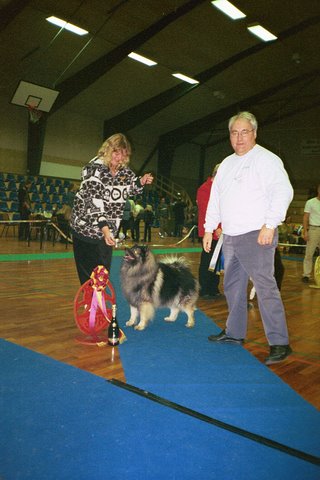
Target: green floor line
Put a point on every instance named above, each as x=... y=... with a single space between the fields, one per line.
x=21 y=257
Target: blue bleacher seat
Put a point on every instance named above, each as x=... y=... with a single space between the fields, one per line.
x=12 y=186
x=55 y=198
x=4 y=207
x=3 y=186
x=21 y=178
x=49 y=181
x=35 y=197
x=48 y=207
x=58 y=182
x=36 y=207
x=46 y=198
x=11 y=176
x=13 y=195
x=16 y=216
x=3 y=196
x=40 y=181
x=52 y=189
x=14 y=207
x=43 y=188
x=33 y=188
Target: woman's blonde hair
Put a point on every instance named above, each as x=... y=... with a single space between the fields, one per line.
x=118 y=141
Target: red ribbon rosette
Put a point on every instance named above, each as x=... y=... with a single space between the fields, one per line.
x=93 y=307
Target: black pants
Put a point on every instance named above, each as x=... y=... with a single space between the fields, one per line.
x=147 y=232
x=209 y=281
x=24 y=227
x=89 y=255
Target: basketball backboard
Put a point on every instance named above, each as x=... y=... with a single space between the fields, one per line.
x=34 y=96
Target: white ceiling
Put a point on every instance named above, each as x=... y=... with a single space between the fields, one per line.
x=31 y=49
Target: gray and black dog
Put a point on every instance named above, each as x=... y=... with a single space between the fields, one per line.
x=148 y=284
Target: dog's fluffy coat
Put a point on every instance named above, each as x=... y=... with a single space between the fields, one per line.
x=148 y=284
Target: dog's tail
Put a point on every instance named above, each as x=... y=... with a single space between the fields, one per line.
x=174 y=259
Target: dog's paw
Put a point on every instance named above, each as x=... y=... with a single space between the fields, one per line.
x=190 y=325
x=130 y=323
x=169 y=319
x=140 y=326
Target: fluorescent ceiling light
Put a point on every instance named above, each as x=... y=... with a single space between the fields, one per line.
x=67 y=26
x=185 y=78
x=229 y=9
x=262 y=33
x=142 y=59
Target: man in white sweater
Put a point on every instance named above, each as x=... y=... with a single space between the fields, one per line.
x=250 y=196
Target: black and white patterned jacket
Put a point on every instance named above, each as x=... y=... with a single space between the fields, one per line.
x=101 y=199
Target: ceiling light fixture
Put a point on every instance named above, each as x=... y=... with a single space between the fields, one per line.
x=262 y=33
x=185 y=78
x=68 y=26
x=140 y=58
x=229 y=9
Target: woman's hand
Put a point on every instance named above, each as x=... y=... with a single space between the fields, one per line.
x=108 y=237
x=147 y=179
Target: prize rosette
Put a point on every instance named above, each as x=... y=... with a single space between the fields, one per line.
x=93 y=307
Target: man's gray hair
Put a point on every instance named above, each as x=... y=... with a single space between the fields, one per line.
x=245 y=116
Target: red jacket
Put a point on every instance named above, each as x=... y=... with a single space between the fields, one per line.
x=203 y=194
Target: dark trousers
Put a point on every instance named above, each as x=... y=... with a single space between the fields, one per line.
x=147 y=232
x=136 y=229
x=89 y=255
x=209 y=280
x=24 y=227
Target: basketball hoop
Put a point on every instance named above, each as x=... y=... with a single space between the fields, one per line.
x=34 y=114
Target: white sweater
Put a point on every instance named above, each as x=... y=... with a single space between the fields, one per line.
x=249 y=191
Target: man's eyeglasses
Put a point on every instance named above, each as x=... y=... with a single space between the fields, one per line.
x=242 y=133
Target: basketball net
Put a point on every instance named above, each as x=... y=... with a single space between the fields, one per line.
x=34 y=114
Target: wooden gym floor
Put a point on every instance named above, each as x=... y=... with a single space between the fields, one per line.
x=37 y=313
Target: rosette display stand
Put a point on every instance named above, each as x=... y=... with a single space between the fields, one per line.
x=93 y=307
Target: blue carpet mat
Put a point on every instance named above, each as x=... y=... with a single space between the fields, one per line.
x=61 y=423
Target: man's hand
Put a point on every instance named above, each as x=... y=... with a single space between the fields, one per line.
x=265 y=236
x=207 y=241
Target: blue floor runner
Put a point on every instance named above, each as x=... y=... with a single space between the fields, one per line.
x=61 y=423
x=222 y=381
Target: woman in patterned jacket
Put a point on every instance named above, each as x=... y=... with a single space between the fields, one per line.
x=107 y=182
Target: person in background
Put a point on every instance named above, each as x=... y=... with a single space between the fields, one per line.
x=179 y=215
x=71 y=194
x=138 y=213
x=107 y=182
x=125 y=222
x=131 y=219
x=163 y=214
x=148 y=217
x=24 y=210
x=250 y=197
x=209 y=280
x=311 y=233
